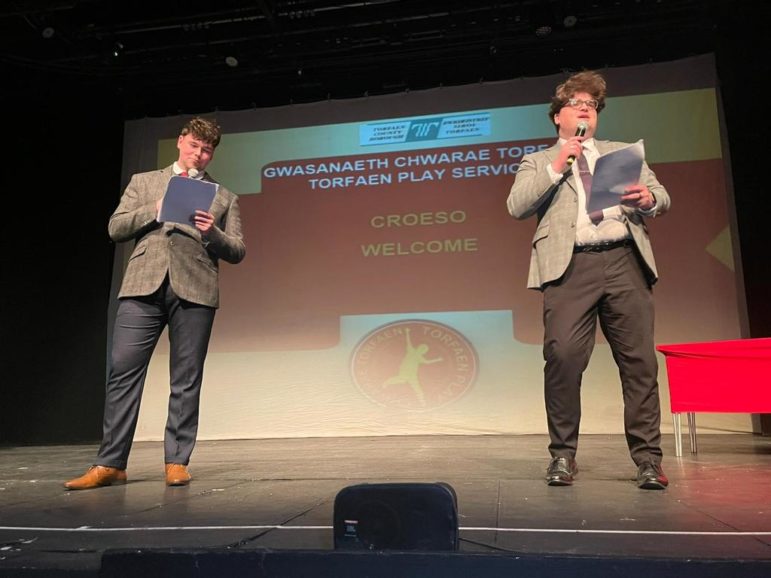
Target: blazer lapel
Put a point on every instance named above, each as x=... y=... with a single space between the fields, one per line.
x=163 y=177
x=601 y=146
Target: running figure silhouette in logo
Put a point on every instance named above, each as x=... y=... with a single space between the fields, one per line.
x=414 y=357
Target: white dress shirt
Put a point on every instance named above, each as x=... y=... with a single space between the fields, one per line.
x=612 y=227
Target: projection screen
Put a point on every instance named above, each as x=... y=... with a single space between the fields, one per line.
x=383 y=291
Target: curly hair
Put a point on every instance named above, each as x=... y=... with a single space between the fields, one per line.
x=587 y=81
x=206 y=130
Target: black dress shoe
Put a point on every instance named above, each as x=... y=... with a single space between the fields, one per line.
x=651 y=477
x=561 y=471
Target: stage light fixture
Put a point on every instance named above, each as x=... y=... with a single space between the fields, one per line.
x=567 y=14
x=48 y=32
x=542 y=21
x=543 y=30
x=231 y=61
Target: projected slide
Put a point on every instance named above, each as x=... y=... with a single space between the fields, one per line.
x=383 y=290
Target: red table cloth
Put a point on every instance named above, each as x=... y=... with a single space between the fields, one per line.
x=719 y=376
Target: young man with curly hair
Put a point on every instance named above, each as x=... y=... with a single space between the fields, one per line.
x=592 y=266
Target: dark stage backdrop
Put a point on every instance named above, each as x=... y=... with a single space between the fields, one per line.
x=61 y=182
x=383 y=291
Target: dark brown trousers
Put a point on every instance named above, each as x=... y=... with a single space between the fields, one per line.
x=609 y=285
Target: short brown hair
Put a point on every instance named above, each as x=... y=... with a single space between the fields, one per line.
x=587 y=81
x=206 y=130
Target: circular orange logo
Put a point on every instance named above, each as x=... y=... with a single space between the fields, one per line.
x=415 y=365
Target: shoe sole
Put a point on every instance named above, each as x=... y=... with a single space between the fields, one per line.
x=177 y=483
x=115 y=483
x=652 y=485
x=558 y=482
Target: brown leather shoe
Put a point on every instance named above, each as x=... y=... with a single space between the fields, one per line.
x=177 y=475
x=96 y=477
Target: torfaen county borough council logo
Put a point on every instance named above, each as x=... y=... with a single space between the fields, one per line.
x=414 y=365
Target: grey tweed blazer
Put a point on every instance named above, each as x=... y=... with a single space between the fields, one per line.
x=556 y=207
x=191 y=262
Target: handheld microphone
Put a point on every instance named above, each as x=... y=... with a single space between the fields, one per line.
x=580 y=131
x=192 y=173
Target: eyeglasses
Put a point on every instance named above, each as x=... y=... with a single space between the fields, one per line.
x=578 y=103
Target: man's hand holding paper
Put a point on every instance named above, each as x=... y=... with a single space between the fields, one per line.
x=616 y=180
x=188 y=201
x=638 y=197
x=203 y=221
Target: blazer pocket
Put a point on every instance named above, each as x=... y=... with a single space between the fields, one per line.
x=139 y=250
x=207 y=262
x=540 y=233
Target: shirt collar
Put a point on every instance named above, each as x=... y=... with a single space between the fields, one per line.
x=588 y=144
x=178 y=170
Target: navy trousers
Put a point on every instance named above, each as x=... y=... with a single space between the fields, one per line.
x=138 y=326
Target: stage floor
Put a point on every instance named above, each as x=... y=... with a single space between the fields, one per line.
x=278 y=494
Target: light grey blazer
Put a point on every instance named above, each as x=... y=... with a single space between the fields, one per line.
x=191 y=262
x=556 y=207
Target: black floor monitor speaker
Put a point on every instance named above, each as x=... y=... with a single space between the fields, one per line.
x=401 y=516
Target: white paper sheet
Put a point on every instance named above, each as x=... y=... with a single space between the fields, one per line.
x=613 y=172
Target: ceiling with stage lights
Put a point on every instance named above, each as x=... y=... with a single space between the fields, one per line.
x=238 y=53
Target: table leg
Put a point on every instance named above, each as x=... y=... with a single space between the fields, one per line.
x=678 y=434
x=692 y=431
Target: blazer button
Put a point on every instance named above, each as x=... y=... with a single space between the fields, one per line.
x=171 y=242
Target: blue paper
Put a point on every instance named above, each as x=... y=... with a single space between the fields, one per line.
x=183 y=197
